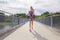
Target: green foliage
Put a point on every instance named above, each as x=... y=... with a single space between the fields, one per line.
x=2 y=14
x=54 y=14
x=45 y=13
x=21 y=15
x=37 y=16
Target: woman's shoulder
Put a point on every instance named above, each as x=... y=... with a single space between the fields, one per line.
x=30 y=11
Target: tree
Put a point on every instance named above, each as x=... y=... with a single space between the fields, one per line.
x=45 y=14
x=54 y=14
x=21 y=15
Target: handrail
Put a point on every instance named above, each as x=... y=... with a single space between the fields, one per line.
x=5 y=12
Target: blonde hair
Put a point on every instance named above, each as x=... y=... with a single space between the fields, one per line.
x=32 y=9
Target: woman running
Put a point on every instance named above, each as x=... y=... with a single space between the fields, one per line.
x=31 y=18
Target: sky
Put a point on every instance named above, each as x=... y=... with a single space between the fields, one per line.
x=22 y=6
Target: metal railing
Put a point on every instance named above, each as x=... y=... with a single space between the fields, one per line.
x=9 y=22
x=52 y=21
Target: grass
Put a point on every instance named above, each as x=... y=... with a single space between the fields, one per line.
x=8 y=23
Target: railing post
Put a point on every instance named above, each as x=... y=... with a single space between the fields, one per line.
x=18 y=20
x=51 y=21
x=12 y=20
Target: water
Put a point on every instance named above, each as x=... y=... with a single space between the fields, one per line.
x=6 y=27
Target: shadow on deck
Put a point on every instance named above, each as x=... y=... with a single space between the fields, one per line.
x=38 y=36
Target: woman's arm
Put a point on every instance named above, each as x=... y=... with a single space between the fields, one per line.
x=33 y=11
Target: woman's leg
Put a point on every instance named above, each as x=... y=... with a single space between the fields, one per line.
x=32 y=23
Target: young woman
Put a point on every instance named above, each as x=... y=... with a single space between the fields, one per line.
x=31 y=18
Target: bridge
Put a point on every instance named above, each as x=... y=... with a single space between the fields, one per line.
x=42 y=30
x=39 y=32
